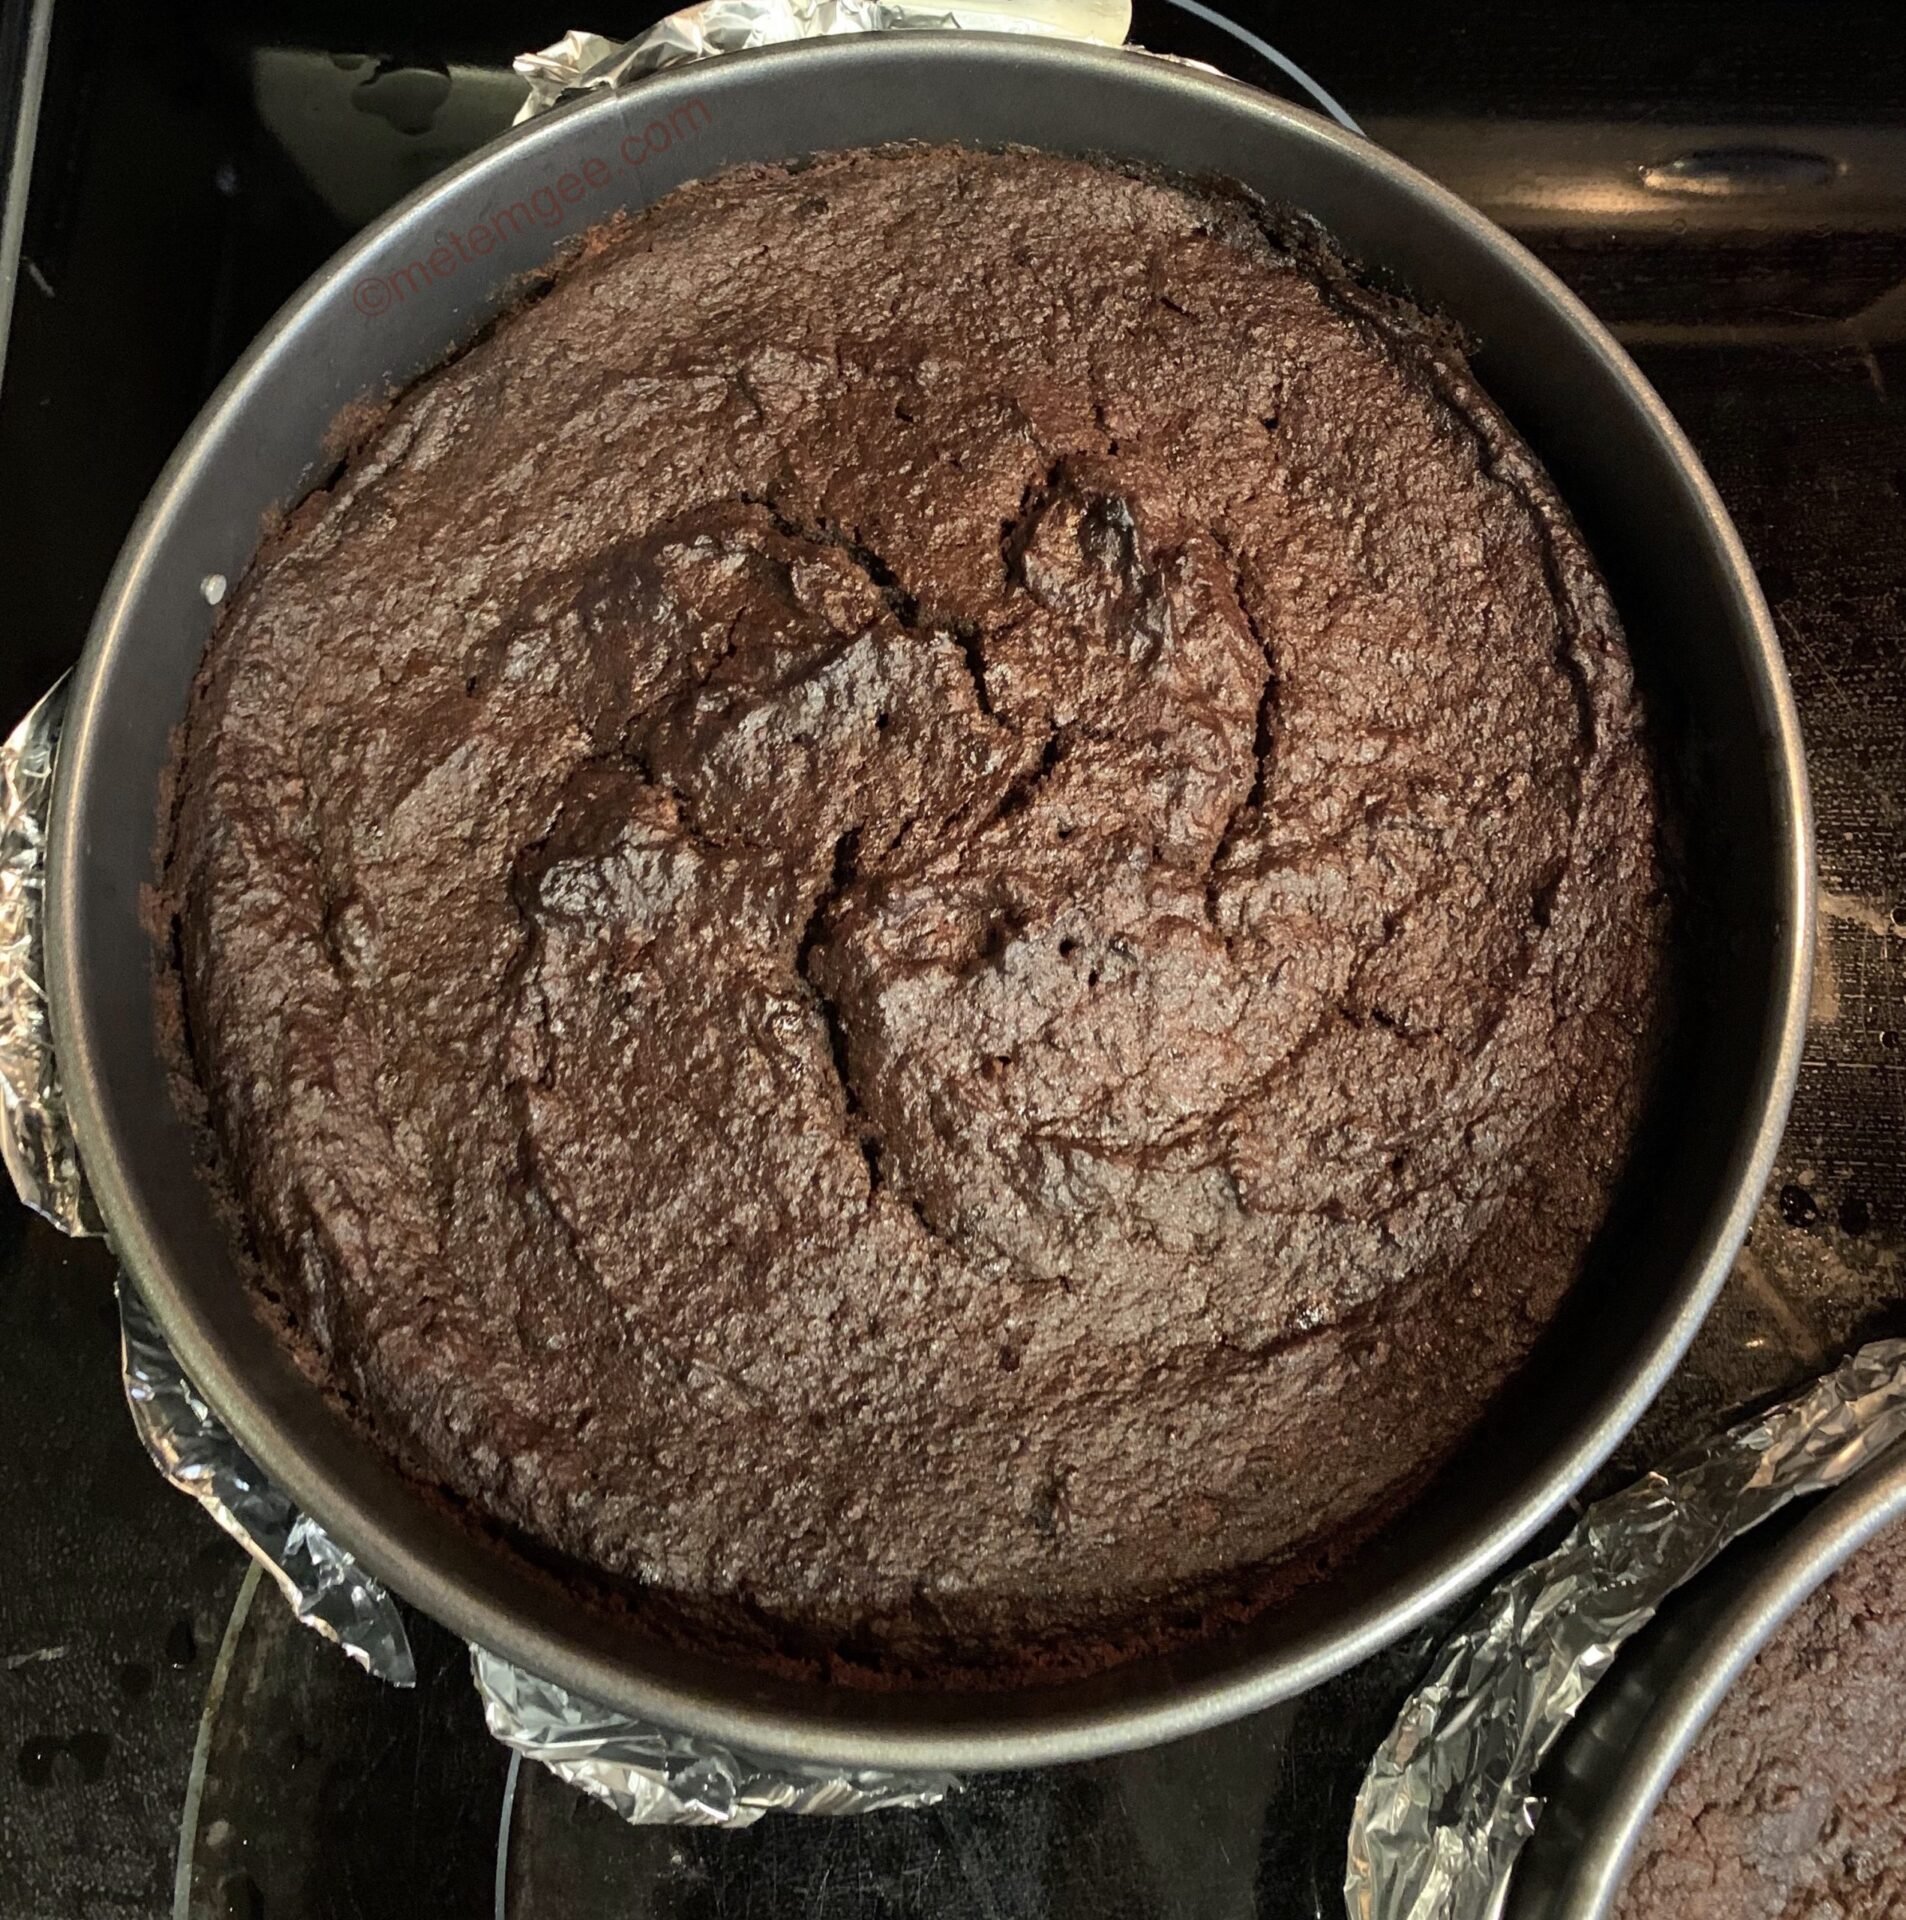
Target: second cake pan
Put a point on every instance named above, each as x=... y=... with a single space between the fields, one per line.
x=1605 y=1780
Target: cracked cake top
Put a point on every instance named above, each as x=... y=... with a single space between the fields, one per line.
x=924 y=923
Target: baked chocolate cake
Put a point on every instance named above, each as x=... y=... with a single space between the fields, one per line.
x=1793 y=1804
x=927 y=918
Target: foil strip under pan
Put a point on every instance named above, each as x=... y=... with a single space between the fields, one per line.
x=647 y=1773
x=1608 y=1775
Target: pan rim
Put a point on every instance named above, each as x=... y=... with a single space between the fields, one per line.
x=952 y=1730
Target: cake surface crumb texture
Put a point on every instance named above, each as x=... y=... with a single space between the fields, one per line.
x=926 y=919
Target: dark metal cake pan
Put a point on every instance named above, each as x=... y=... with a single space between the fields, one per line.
x=426 y=278
x=1606 y=1779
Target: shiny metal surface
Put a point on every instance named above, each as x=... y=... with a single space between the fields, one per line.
x=1606 y=1779
x=1704 y=649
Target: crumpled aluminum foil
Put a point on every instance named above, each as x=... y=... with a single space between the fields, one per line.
x=35 y=1140
x=652 y=1777
x=584 y=62
x=188 y=1442
x=1446 y=1806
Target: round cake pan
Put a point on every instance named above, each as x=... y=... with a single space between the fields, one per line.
x=425 y=279
x=1605 y=1780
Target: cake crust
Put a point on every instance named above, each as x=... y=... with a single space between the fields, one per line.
x=927 y=919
